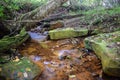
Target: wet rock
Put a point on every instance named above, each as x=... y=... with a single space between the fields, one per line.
x=46 y=62
x=72 y=76
x=62 y=54
x=67 y=54
x=94 y=74
x=23 y=69
x=67 y=33
x=107 y=49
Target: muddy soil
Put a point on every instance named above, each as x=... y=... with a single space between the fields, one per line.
x=64 y=60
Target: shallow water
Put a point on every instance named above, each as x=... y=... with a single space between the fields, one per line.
x=37 y=36
x=63 y=59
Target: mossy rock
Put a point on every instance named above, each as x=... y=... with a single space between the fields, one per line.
x=24 y=69
x=107 y=48
x=62 y=33
x=11 y=42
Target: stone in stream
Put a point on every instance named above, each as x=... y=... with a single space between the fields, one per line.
x=67 y=54
x=107 y=48
x=62 y=33
x=19 y=69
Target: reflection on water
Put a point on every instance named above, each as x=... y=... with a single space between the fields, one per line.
x=35 y=58
x=46 y=62
x=37 y=36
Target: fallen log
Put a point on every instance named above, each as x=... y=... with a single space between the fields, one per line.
x=37 y=14
x=67 y=33
x=49 y=19
x=61 y=17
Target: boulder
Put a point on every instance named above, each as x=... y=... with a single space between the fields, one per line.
x=19 y=69
x=107 y=48
x=62 y=33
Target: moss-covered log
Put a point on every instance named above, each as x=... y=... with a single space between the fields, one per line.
x=67 y=33
x=11 y=42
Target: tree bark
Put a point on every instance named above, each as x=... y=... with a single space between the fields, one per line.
x=37 y=14
x=61 y=17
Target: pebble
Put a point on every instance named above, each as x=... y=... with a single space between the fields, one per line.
x=118 y=43
x=28 y=69
x=50 y=69
x=89 y=58
x=25 y=74
x=37 y=58
x=95 y=74
x=16 y=59
x=19 y=74
x=72 y=76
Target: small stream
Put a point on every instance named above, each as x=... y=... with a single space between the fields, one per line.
x=63 y=60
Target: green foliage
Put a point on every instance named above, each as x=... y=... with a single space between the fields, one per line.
x=100 y=17
x=6 y=8
x=111 y=11
x=9 y=9
x=9 y=42
x=1 y=11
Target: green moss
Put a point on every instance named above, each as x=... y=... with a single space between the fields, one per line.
x=12 y=69
x=106 y=46
x=67 y=33
x=10 y=42
x=103 y=11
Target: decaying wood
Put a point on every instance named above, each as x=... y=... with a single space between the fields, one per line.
x=49 y=19
x=37 y=14
x=62 y=17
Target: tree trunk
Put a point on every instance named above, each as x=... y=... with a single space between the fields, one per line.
x=37 y=14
